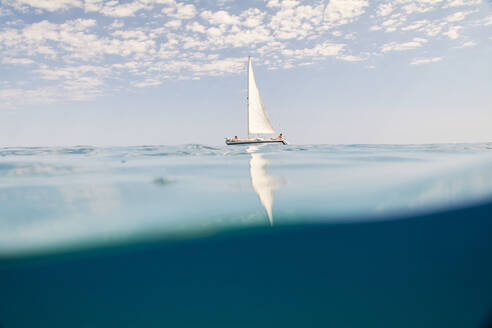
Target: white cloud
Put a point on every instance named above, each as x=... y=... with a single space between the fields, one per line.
x=74 y=40
x=456 y=17
x=122 y=10
x=117 y=24
x=321 y=50
x=181 y=11
x=457 y=3
x=468 y=44
x=432 y=29
x=220 y=17
x=252 y=17
x=130 y=34
x=196 y=27
x=273 y=4
x=51 y=5
x=452 y=32
x=13 y=97
x=247 y=37
x=84 y=82
x=385 y=9
x=390 y=25
x=417 y=8
x=227 y=65
x=421 y=61
x=415 y=25
x=147 y=83
x=394 y=46
x=71 y=72
x=350 y=58
x=17 y=61
x=293 y=21
x=150 y=41
x=127 y=9
x=214 y=32
x=343 y=11
x=349 y=36
x=488 y=21
x=173 y=24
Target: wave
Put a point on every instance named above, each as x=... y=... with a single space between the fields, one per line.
x=208 y=150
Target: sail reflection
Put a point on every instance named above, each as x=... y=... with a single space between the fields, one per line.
x=263 y=183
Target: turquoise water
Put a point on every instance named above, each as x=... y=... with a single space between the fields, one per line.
x=60 y=198
x=199 y=236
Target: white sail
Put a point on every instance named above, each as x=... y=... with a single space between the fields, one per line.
x=258 y=121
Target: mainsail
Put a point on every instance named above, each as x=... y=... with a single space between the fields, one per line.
x=258 y=121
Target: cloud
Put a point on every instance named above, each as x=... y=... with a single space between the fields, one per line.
x=128 y=9
x=343 y=11
x=487 y=21
x=416 y=25
x=468 y=44
x=174 y=24
x=131 y=34
x=220 y=17
x=227 y=65
x=12 y=97
x=394 y=46
x=419 y=6
x=51 y=5
x=181 y=11
x=421 y=61
x=391 y=24
x=321 y=50
x=432 y=29
x=385 y=9
x=196 y=27
x=458 y=3
x=456 y=17
x=122 y=10
x=112 y=45
x=147 y=83
x=350 y=58
x=452 y=32
x=295 y=22
x=252 y=17
x=17 y=61
x=243 y=38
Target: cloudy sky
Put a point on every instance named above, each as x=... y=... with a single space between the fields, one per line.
x=172 y=71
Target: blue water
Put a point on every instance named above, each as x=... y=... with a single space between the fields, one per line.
x=59 y=198
x=289 y=236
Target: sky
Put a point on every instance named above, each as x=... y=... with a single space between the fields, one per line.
x=75 y=72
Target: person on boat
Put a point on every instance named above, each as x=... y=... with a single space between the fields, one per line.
x=280 y=136
x=235 y=138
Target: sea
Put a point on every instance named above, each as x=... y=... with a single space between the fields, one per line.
x=246 y=236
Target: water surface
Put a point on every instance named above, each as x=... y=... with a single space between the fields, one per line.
x=55 y=198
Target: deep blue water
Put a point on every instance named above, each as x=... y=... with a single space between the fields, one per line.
x=313 y=235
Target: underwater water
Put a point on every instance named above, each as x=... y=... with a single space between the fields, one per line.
x=57 y=198
x=246 y=236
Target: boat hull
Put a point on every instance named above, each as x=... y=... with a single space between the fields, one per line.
x=254 y=141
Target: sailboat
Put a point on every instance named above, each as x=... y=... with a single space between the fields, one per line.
x=258 y=121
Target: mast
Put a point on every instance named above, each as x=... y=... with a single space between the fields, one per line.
x=247 y=95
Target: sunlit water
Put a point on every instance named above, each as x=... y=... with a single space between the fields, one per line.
x=57 y=198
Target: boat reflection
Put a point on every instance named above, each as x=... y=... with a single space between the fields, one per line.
x=263 y=183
